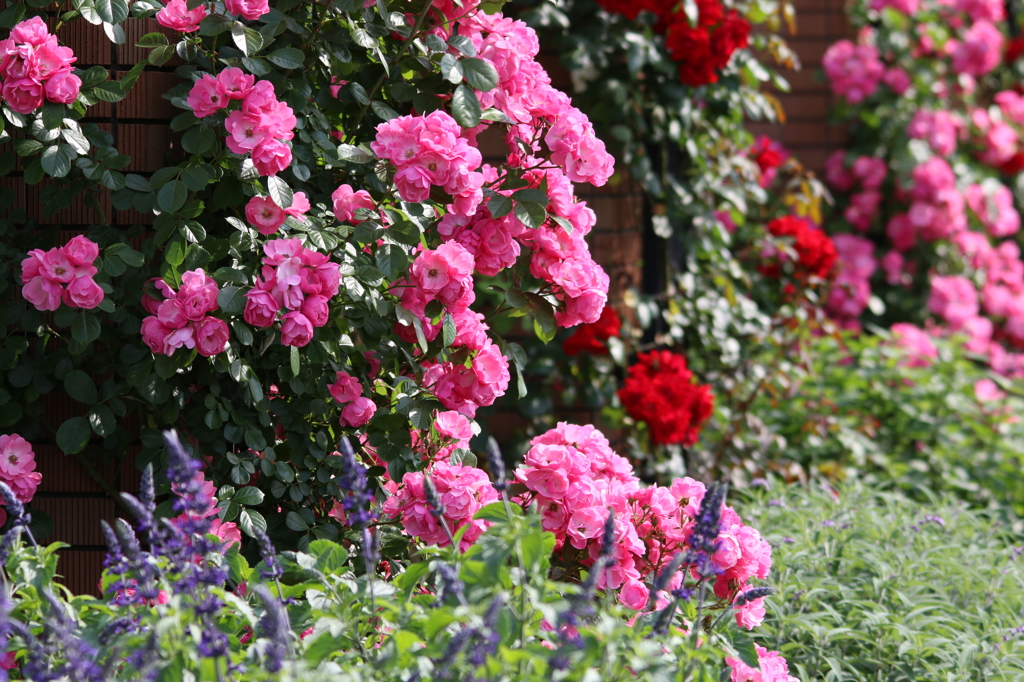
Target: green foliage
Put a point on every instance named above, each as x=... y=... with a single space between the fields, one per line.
x=856 y=407
x=489 y=618
x=876 y=586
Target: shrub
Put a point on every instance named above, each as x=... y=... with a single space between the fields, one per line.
x=874 y=586
x=182 y=604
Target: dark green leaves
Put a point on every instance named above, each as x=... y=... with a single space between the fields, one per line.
x=80 y=386
x=172 y=196
x=56 y=161
x=287 y=58
x=479 y=73
x=466 y=107
x=85 y=328
x=73 y=435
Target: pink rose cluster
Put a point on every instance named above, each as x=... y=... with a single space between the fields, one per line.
x=559 y=257
x=177 y=16
x=853 y=71
x=260 y=127
x=35 y=68
x=936 y=209
x=867 y=171
x=998 y=141
x=445 y=275
x=525 y=95
x=771 y=667
x=908 y=7
x=982 y=10
x=181 y=319
x=62 y=274
x=574 y=477
x=296 y=283
x=17 y=469
x=266 y=216
x=992 y=204
x=429 y=151
x=940 y=129
x=347 y=391
x=980 y=49
x=462 y=491
x=851 y=288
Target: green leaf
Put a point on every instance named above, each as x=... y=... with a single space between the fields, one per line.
x=108 y=92
x=287 y=58
x=451 y=69
x=383 y=111
x=175 y=254
x=448 y=330
x=111 y=11
x=53 y=115
x=466 y=107
x=480 y=73
x=248 y=496
x=353 y=154
x=463 y=45
x=246 y=39
x=152 y=40
x=495 y=512
x=296 y=522
x=12 y=15
x=102 y=420
x=85 y=328
x=499 y=205
x=56 y=161
x=249 y=519
x=73 y=435
x=231 y=300
x=279 y=191
x=531 y=214
x=293 y=360
x=172 y=196
x=80 y=386
x=25 y=147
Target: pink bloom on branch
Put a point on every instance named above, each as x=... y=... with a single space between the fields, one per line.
x=296 y=330
x=211 y=336
x=954 y=298
x=83 y=292
x=235 y=83
x=247 y=9
x=980 y=51
x=271 y=157
x=23 y=95
x=265 y=215
x=63 y=87
x=345 y=388
x=207 y=97
x=16 y=457
x=854 y=71
x=453 y=425
x=177 y=16
x=358 y=412
x=345 y=202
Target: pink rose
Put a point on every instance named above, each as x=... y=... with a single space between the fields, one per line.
x=296 y=330
x=81 y=251
x=634 y=594
x=271 y=157
x=261 y=308
x=83 y=292
x=347 y=201
x=211 y=336
x=207 y=96
x=300 y=206
x=25 y=485
x=16 y=456
x=345 y=388
x=265 y=215
x=227 y=532
x=358 y=412
x=453 y=425
x=315 y=308
x=63 y=87
x=248 y=9
x=23 y=95
x=177 y=16
x=154 y=335
x=197 y=295
x=162 y=289
x=33 y=31
x=43 y=293
x=236 y=83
